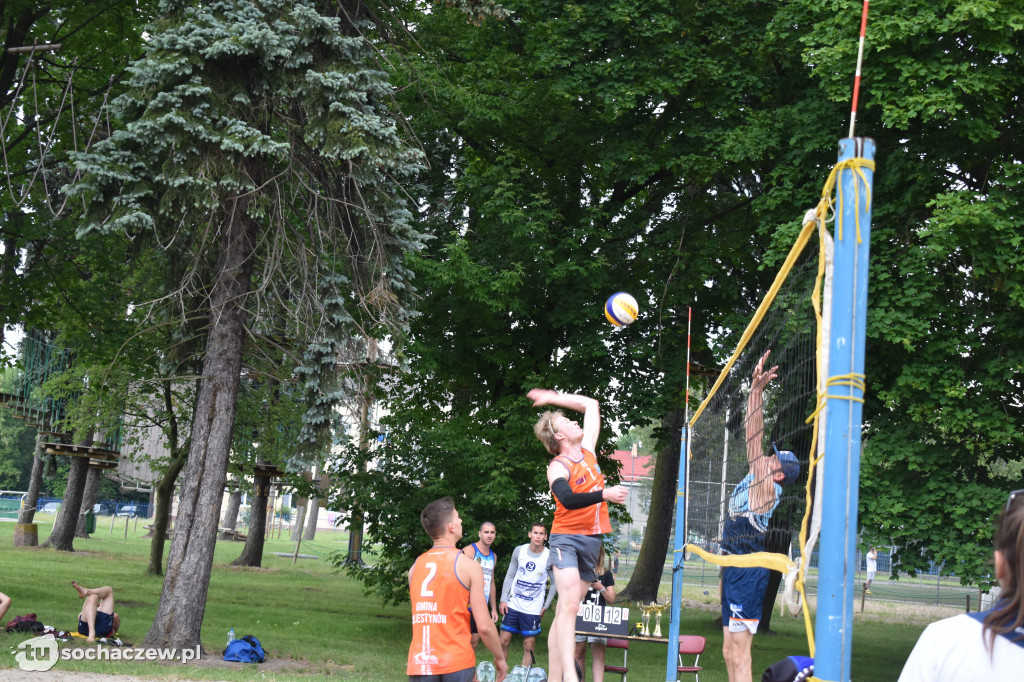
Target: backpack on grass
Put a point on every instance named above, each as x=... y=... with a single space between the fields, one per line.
x=245 y=650
x=26 y=623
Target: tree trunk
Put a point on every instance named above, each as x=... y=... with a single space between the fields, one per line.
x=231 y=513
x=300 y=510
x=650 y=564
x=161 y=518
x=357 y=517
x=28 y=511
x=179 y=616
x=312 y=515
x=63 y=535
x=314 y=508
x=164 y=489
x=252 y=553
x=298 y=517
x=92 y=489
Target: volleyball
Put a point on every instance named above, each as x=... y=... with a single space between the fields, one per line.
x=620 y=309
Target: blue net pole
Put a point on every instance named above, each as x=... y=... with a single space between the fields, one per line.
x=845 y=393
x=678 y=562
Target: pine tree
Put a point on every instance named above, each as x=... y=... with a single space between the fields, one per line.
x=257 y=146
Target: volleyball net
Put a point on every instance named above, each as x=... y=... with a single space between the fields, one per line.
x=754 y=465
x=734 y=453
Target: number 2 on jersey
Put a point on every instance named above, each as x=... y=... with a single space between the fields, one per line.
x=425 y=590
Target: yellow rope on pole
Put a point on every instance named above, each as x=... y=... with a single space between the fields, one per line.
x=769 y=560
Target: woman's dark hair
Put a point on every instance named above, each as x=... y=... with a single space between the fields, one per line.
x=1008 y=615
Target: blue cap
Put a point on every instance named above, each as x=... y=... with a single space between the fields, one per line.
x=790 y=465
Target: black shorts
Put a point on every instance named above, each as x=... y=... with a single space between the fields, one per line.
x=104 y=625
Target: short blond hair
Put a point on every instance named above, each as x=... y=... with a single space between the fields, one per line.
x=544 y=429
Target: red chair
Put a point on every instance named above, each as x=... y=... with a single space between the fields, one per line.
x=620 y=669
x=691 y=645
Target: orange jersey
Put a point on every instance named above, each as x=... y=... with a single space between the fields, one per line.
x=440 y=619
x=584 y=477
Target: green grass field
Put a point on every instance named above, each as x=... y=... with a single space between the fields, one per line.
x=316 y=623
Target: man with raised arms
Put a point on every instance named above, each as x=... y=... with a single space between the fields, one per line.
x=441 y=583
x=751 y=505
x=581 y=514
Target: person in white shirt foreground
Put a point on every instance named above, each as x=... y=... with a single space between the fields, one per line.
x=985 y=646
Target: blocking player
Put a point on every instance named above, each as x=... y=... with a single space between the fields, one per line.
x=750 y=507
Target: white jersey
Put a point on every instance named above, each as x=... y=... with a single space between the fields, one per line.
x=953 y=650
x=526 y=591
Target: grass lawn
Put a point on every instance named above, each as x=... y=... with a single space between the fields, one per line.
x=317 y=624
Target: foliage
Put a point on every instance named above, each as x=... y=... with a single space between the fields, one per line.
x=585 y=148
x=17 y=452
x=59 y=96
x=945 y=368
x=315 y=115
x=577 y=150
x=640 y=434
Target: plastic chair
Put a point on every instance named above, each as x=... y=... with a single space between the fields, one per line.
x=691 y=645
x=620 y=669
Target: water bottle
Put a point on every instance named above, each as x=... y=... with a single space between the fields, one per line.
x=485 y=672
x=231 y=636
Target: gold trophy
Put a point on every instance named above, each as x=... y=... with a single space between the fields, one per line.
x=645 y=609
x=658 y=609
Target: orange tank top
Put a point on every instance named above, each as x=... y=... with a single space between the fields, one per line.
x=584 y=477
x=440 y=619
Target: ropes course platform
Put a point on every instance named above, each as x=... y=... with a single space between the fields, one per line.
x=264 y=470
x=90 y=451
x=21 y=410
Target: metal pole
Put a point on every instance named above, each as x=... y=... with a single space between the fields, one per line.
x=671 y=666
x=682 y=508
x=834 y=626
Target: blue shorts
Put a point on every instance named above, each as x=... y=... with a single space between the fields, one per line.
x=104 y=625
x=525 y=624
x=742 y=596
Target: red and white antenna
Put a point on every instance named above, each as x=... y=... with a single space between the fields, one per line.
x=860 y=60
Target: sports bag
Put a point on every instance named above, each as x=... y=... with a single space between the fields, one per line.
x=26 y=623
x=245 y=650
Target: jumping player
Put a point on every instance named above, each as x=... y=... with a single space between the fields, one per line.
x=441 y=582
x=751 y=506
x=481 y=553
x=581 y=513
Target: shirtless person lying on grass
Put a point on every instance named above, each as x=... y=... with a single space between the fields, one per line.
x=97 y=618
